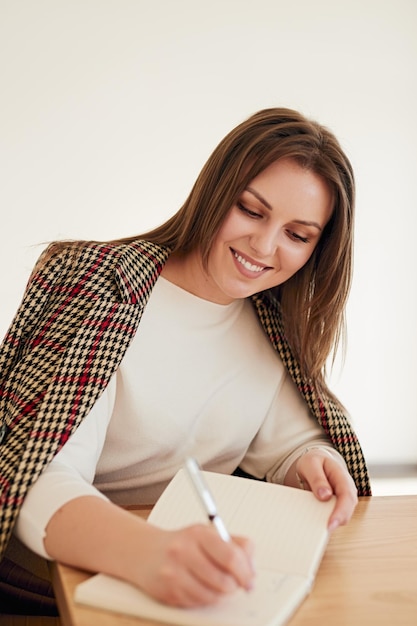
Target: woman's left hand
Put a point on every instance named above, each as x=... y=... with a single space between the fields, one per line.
x=322 y=474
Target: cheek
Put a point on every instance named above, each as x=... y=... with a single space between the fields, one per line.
x=232 y=227
x=221 y=242
x=297 y=256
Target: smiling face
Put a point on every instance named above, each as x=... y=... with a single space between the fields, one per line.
x=267 y=236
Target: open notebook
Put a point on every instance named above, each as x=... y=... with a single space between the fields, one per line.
x=288 y=526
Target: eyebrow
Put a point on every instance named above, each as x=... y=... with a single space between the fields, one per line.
x=259 y=197
x=269 y=207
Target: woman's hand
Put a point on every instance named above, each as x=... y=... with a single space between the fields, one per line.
x=188 y=567
x=194 y=566
x=325 y=476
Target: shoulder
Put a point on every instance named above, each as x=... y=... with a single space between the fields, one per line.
x=64 y=254
x=100 y=270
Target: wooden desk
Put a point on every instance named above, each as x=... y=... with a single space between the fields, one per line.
x=368 y=575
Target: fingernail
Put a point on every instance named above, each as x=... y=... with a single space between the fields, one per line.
x=324 y=492
x=333 y=524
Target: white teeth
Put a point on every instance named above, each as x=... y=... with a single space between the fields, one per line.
x=249 y=266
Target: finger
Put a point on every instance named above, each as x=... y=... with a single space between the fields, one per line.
x=234 y=559
x=313 y=475
x=347 y=499
x=180 y=587
x=188 y=576
x=326 y=476
x=218 y=565
x=342 y=486
x=247 y=546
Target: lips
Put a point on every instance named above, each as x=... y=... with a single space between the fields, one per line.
x=247 y=264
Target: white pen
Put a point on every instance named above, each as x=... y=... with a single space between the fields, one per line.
x=204 y=494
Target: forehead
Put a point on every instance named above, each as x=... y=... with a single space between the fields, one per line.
x=286 y=185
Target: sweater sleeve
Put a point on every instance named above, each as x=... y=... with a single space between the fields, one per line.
x=287 y=430
x=69 y=475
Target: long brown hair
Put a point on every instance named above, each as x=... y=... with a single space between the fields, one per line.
x=313 y=300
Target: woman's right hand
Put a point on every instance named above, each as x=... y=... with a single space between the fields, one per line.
x=189 y=567
x=194 y=566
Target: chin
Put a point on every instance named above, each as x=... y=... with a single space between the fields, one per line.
x=240 y=294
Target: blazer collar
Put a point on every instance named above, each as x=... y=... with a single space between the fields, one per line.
x=137 y=270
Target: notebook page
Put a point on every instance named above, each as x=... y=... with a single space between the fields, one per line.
x=288 y=526
x=271 y=603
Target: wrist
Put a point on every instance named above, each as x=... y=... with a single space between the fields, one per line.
x=300 y=481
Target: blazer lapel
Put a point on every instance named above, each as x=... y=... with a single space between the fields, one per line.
x=326 y=410
x=96 y=350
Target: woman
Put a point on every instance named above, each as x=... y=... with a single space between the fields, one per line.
x=239 y=300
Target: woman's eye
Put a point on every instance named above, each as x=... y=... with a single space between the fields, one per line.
x=249 y=212
x=297 y=237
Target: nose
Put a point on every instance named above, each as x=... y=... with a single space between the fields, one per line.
x=264 y=243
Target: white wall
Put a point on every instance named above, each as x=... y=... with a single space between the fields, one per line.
x=110 y=107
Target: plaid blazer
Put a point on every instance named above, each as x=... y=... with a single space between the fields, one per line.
x=68 y=337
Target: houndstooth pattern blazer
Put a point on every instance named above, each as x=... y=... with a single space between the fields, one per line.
x=68 y=337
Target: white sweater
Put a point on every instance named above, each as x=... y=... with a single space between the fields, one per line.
x=199 y=379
